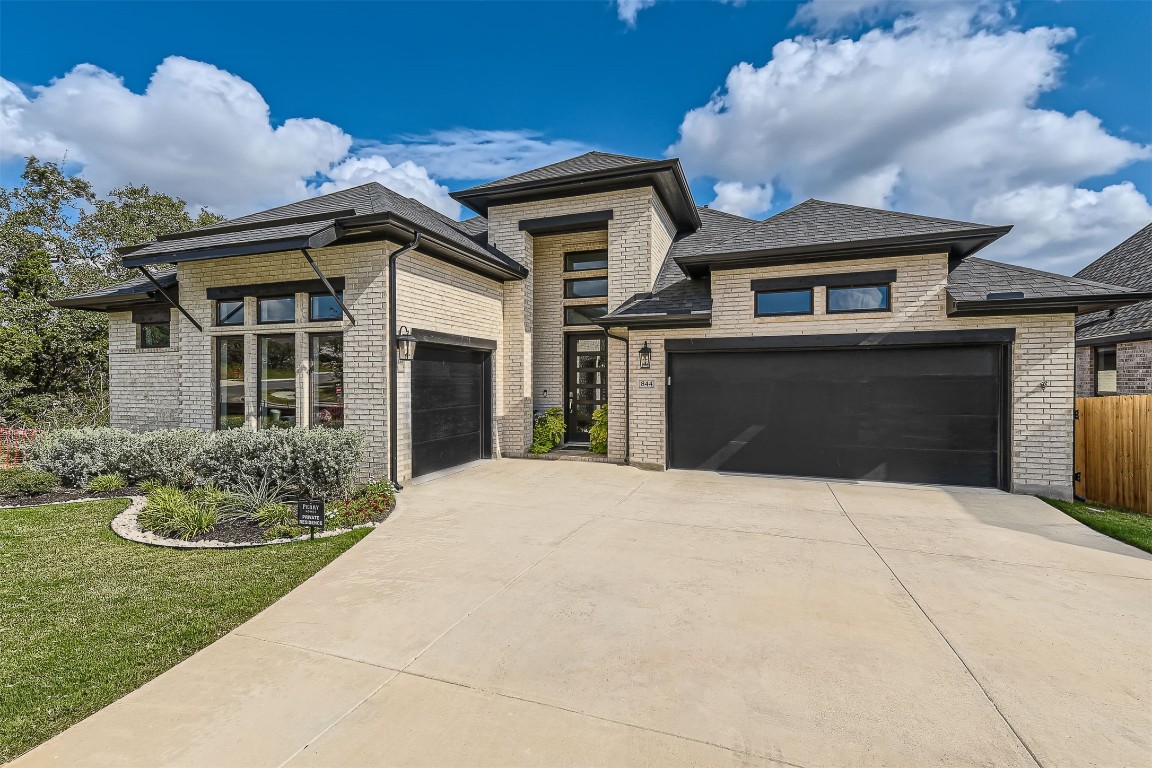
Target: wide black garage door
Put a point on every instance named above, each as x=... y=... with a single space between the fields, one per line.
x=920 y=415
x=450 y=411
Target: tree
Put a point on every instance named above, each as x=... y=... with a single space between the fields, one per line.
x=57 y=239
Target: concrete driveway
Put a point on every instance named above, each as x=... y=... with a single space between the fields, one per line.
x=543 y=613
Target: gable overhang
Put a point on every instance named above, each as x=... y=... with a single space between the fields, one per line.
x=957 y=245
x=1114 y=338
x=1078 y=305
x=319 y=239
x=664 y=176
x=122 y=302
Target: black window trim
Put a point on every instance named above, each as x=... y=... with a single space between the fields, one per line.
x=141 y=334
x=217 y=342
x=1096 y=369
x=262 y=338
x=220 y=323
x=811 y=302
x=828 y=299
x=325 y=294
x=292 y=296
x=568 y=307
x=568 y=269
x=569 y=295
x=313 y=339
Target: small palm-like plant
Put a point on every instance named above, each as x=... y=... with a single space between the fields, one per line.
x=110 y=481
x=262 y=501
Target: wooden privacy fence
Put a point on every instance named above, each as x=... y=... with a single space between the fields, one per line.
x=14 y=443
x=1113 y=451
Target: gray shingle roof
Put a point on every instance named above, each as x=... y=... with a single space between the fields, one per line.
x=974 y=278
x=1128 y=264
x=137 y=288
x=816 y=222
x=212 y=240
x=477 y=225
x=589 y=162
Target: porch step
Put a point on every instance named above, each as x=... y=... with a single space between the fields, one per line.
x=573 y=454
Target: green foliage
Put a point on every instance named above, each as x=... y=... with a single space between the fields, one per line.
x=316 y=463
x=1124 y=525
x=150 y=485
x=548 y=431
x=88 y=617
x=286 y=531
x=598 y=434
x=57 y=239
x=78 y=455
x=252 y=499
x=274 y=514
x=171 y=512
x=370 y=502
x=22 y=481
x=110 y=481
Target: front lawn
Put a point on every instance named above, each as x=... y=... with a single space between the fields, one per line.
x=1129 y=527
x=86 y=617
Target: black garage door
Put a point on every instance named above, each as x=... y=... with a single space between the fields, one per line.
x=450 y=411
x=919 y=415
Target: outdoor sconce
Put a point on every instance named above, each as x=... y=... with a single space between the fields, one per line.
x=645 y=356
x=405 y=344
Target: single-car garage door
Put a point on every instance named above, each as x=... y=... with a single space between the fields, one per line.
x=451 y=423
x=919 y=415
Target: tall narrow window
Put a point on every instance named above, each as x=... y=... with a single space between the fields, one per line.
x=1105 y=370
x=277 y=381
x=328 y=380
x=229 y=382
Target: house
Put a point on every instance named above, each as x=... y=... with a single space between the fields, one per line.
x=828 y=340
x=1114 y=347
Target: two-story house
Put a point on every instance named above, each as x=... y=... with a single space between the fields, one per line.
x=829 y=340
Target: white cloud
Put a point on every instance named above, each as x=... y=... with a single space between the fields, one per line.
x=734 y=197
x=834 y=15
x=935 y=118
x=466 y=153
x=407 y=178
x=628 y=10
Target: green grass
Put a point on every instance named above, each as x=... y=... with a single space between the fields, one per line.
x=86 y=617
x=1129 y=527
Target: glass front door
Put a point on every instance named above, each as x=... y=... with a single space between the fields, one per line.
x=586 y=367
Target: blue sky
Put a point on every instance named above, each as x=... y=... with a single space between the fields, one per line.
x=1038 y=125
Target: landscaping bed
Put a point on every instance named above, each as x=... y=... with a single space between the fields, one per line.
x=58 y=495
x=86 y=617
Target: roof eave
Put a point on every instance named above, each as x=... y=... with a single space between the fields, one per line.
x=1114 y=338
x=960 y=244
x=1042 y=305
x=316 y=240
x=655 y=320
x=675 y=194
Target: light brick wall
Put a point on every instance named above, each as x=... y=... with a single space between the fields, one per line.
x=144 y=383
x=638 y=238
x=1042 y=354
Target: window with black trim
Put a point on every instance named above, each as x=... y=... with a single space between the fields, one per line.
x=858 y=298
x=327 y=355
x=583 y=261
x=276 y=309
x=230 y=312
x=229 y=382
x=777 y=303
x=277 y=381
x=1105 y=370
x=584 y=315
x=586 y=288
x=321 y=306
x=155 y=335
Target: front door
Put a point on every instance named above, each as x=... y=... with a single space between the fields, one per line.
x=586 y=374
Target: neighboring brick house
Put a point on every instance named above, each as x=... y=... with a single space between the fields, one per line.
x=1114 y=347
x=829 y=340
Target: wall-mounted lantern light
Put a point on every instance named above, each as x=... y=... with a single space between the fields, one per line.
x=645 y=356
x=405 y=345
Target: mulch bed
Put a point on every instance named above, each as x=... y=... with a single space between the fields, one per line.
x=66 y=494
x=234 y=532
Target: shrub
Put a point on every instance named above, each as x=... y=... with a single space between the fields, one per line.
x=598 y=434
x=111 y=481
x=148 y=486
x=370 y=502
x=271 y=515
x=22 y=481
x=164 y=455
x=318 y=463
x=78 y=455
x=250 y=497
x=170 y=512
x=548 y=431
x=284 y=532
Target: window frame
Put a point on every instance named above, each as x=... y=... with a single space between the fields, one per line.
x=811 y=302
x=218 y=343
x=1096 y=351
x=141 y=334
x=279 y=297
x=572 y=256
x=314 y=340
x=324 y=295
x=220 y=323
x=828 y=298
x=570 y=307
x=569 y=294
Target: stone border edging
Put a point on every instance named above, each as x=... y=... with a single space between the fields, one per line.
x=127 y=526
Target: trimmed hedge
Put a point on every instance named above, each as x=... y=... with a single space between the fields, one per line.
x=21 y=481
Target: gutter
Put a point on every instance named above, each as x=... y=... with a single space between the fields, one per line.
x=394 y=363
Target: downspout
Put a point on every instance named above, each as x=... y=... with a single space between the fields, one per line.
x=627 y=395
x=394 y=363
